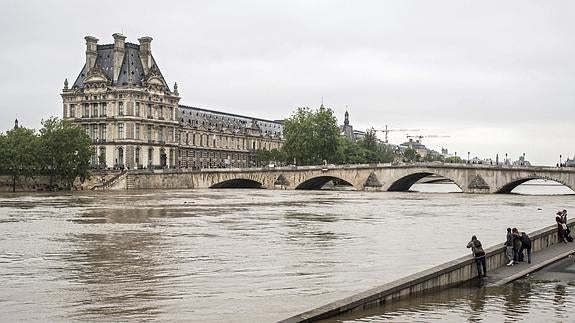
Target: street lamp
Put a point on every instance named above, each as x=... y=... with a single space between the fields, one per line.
x=505 y=162
x=560 y=160
x=468 y=157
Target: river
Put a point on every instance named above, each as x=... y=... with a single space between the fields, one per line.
x=233 y=255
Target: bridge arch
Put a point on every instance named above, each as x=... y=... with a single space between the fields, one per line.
x=510 y=186
x=238 y=183
x=405 y=182
x=317 y=182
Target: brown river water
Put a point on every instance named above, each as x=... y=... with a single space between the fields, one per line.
x=233 y=255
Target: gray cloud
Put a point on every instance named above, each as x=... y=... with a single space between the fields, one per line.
x=497 y=77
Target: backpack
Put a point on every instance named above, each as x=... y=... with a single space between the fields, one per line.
x=478 y=250
x=525 y=239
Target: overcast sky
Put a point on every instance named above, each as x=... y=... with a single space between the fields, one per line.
x=495 y=76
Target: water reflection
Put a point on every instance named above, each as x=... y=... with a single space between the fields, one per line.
x=125 y=268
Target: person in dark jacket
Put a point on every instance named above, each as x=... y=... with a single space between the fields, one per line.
x=479 y=255
x=560 y=230
x=516 y=246
x=566 y=232
x=526 y=245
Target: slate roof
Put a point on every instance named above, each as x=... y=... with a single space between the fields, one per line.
x=194 y=116
x=131 y=71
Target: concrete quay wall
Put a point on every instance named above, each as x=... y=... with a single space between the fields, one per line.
x=443 y=276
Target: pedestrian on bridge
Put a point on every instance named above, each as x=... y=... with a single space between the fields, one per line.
x=479 y=255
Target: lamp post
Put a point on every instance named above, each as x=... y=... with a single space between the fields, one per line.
x=505 y=162
x=468 y=157
x=560 y=160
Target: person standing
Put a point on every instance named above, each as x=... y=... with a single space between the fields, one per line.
x=526 y=245
x=560 y=230
x=517 y=256
x=479 y=255
x=509 y=247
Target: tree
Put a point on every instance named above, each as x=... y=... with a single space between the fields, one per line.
x=411 y=155
x=311 y=137
x=453 y=159
x=65 y=151
x=263 y=157
x=349 y=152
x=18 y=153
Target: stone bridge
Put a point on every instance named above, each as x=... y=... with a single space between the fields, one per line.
x=469 y=178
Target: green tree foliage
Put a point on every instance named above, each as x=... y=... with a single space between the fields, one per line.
x=349 y=152
x=453 y=159
x=263 y=157
x=18 y=154
x=65 y=151
x=411 y=155
x=266 y=157
x=311 y=136
x=374 y=150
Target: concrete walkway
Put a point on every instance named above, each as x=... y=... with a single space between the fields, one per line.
x=540 y=259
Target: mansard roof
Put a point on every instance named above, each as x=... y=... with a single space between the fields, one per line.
x=210 y=118
x=131 y=70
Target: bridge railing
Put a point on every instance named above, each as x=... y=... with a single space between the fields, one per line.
x=356 y=166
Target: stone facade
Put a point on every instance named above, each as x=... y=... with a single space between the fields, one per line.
x=217 y=139
x=135 y=121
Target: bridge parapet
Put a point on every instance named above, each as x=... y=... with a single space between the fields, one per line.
x=470 y=178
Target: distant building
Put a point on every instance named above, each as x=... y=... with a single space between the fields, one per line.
x=521 y=162
x=416 y=145
x=134 y=119
x=347 y=129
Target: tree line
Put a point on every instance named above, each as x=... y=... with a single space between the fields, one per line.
x=60 y=150
x=312 y=137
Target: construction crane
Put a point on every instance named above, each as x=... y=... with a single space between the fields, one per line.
x=386 y=131
x=419 y=137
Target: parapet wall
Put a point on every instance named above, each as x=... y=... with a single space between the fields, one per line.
x=445 y=275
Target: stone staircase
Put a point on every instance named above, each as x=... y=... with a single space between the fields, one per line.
x=130 y=182
x=113 y=183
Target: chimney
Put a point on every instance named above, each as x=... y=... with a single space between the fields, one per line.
x=91 y=51
x=119 y=50
x=146 y=53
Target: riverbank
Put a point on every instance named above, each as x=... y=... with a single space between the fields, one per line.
x=42 y=183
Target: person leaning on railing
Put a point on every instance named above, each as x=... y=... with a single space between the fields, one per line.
x=479 y=255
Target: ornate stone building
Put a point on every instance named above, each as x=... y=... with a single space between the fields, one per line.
x=217 y=139
x=134 y=119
